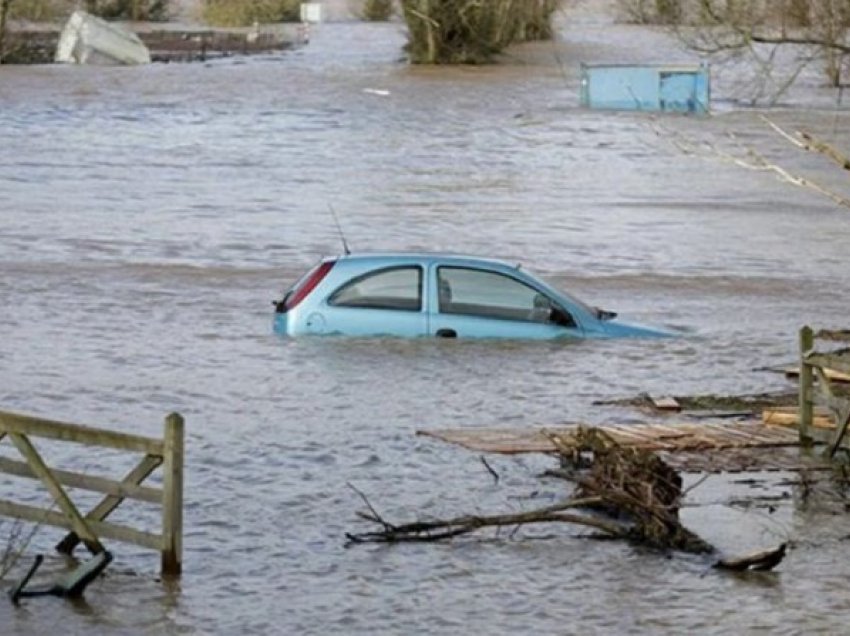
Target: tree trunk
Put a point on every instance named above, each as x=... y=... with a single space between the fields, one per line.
x=4 y=12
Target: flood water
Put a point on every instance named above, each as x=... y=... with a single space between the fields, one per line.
x=150 y=215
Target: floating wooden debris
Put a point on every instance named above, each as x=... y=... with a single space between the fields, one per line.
x=666 y=403
x=711 y=405
x=758 y=561
x=704 y=447
x=745 y=460
x=667 y=437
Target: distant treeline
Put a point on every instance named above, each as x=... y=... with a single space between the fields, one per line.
x=439 y=31
x=51 y=10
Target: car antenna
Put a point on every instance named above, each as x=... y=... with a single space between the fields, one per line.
x=339 y=229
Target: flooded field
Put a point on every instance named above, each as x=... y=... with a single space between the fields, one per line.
x=149 y=216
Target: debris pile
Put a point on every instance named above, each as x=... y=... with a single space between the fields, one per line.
x=628 y=493
x=634 y=483
x=622 y=492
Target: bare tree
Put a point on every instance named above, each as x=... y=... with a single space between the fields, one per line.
x=806 y=30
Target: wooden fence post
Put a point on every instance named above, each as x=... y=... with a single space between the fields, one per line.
x=172 y=495
x=807 y=343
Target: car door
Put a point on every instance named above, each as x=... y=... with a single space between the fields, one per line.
x=384 y=301
x=472 y=302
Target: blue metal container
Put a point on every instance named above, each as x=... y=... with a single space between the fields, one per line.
x=665 y=88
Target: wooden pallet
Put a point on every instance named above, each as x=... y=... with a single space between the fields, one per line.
x=702 y=447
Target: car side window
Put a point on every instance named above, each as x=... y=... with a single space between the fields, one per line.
x=487 y=294
x=397 y=288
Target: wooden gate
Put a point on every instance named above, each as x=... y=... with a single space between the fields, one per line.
x=89 y=528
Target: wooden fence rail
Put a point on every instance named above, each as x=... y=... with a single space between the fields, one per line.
x=814 y=365
x=89 y=528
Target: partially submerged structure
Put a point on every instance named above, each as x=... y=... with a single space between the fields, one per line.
x=87 y=39
x=647 y=87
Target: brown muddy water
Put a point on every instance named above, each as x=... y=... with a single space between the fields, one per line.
x=150 y=215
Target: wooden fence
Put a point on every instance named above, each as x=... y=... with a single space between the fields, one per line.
x=89 y=528
x=823 y=366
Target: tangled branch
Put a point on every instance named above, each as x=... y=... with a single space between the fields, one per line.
x=637 y=492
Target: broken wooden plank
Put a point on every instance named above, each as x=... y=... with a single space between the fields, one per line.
x=504 y=441
x=834 y=335
x=790 y=416
x=666 y=403
x=760 y=561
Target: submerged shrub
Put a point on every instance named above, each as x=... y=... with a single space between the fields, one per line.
x=233 y=13
x=654 y=11
x=152 y=10
x=376 y=10
x=472 y=31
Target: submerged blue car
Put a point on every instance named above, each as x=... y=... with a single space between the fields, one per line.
x=413 y=295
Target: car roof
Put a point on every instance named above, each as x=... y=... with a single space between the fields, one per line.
x=425 y=258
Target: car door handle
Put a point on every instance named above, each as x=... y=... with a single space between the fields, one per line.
x=446 y=333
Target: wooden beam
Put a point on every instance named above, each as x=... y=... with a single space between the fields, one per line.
x=836 y=367
x=62 y=500
x=105 y=507
x=172 y=495
x=666 y=403
x=824 y=386
x=37 y=427
x=105 y=530
x=841 y=424
x=123 y=490
x=835 y=335
x=831 y=374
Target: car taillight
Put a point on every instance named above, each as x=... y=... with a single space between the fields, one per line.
x=303 y=288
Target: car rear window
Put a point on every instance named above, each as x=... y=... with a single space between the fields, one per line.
x=395 y=288
x=307 y=283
